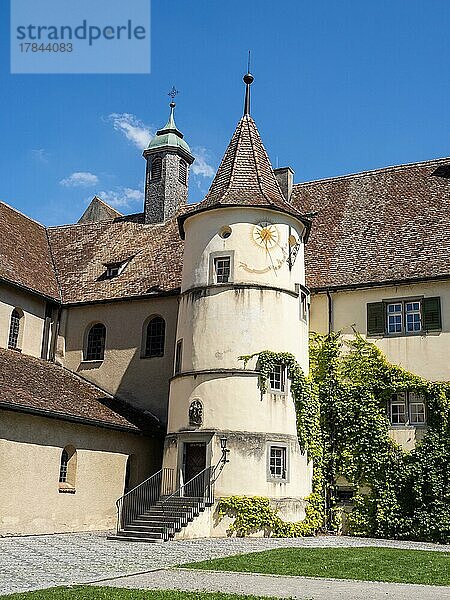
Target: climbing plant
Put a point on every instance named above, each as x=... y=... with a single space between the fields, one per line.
x=344 y=429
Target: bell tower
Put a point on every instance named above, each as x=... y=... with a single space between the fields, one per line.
x=168 y=160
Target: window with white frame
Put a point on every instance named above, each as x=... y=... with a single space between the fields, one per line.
x=398 y=409
x=404 y=317
x=222 y=269
x=416 y=409
x=277 y=462
x=277 y=379
x=395 y=317
x=407 y=408
x=413 y=319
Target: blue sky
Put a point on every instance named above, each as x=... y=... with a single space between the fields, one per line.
x=340 y=87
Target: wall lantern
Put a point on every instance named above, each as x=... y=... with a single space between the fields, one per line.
x=225 y=451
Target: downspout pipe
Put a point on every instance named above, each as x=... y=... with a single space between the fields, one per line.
x=330 y=312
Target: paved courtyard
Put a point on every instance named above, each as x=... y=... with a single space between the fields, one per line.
x=36 y=562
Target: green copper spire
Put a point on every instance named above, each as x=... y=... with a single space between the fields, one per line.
x=169 y=136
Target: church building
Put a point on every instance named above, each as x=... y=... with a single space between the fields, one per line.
x=124 y=399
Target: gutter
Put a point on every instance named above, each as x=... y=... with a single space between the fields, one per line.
x=72 y=418
x=372 y=284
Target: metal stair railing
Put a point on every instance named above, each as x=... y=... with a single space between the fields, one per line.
x=198 y=492
x=139 y=499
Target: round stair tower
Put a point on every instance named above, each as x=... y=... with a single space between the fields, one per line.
x=243 y=291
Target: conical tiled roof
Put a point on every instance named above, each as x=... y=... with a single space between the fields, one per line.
x=245 y=176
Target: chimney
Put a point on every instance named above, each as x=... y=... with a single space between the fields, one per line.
x=285 y=178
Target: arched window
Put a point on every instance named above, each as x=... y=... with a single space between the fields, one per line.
x=182 y=172
x=63 y=466
x=95 y=343
x=155 y=337
x=68 y=469
x=156 y=169
x=14 y=328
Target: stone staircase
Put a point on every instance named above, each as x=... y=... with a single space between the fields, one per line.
x=156 y=510
x=161 y=521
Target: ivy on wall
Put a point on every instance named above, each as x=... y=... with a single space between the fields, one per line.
x=344 y=429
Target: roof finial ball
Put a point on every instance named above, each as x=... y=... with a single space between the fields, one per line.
x=248 y=80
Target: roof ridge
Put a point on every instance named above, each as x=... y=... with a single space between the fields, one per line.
x=120 y=219
x=19 y=212
x=369 y=171
x=255 y=158
x=233 y=164
x=55 y=269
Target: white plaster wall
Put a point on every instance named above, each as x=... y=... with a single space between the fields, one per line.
x=407 y=436
x=144 y=382
x=246 y=473
x=202 y=238
x=30 y=453
x=226 y=323
x=426 y=355
x=33 y=320
x=231 y=402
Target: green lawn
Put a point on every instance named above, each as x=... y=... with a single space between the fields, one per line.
x=107 y=593
x=369 y=564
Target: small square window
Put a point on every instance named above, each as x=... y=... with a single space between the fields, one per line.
x=277 y=379
x=277 y=462
x=222 y=268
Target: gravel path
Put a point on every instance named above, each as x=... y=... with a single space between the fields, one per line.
x=304 y=588
x=36 y=562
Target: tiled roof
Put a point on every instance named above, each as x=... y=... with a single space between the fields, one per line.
x=245 y=175
x=81 y=252
x=391 y=224
x=33 y=385
x=378 y=226
x=25 y=257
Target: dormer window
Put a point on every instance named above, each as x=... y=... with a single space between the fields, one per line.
x=114 y=269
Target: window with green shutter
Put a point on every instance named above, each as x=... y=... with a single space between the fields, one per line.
x=431 y=311
x=404 y=316
x=376 y=318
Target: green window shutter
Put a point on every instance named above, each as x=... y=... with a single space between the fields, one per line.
x=431 y=310
x=376 y=318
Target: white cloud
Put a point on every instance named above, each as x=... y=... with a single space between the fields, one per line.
x=80 y=179
x=40 y=155
x=200 y=166
x=122 y=197
x=133 y=129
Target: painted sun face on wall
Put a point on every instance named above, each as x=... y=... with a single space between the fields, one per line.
x=265 y=235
